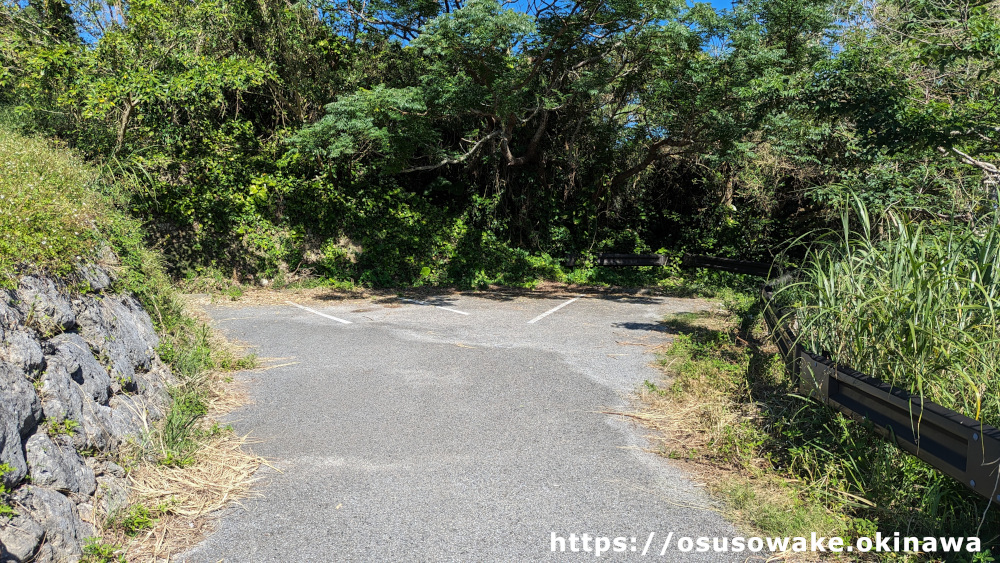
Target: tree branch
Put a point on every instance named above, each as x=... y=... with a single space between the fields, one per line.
x=966 y=159
x=459 y=160
x=653 y=153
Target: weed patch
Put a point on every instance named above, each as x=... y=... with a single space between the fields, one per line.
x=913 y=303
x=65 y=427
x=97 y=551
x=786 y=464
x=777 y=507
x=5 y=508
x=132 y=520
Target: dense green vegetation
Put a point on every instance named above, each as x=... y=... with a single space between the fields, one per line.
x=401 y=142
x=476 y=142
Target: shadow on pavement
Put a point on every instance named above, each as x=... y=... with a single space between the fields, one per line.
x=654 y=327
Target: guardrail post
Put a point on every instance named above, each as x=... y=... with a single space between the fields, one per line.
x=814 y=375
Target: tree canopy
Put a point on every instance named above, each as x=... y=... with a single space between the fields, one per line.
x=393 y=141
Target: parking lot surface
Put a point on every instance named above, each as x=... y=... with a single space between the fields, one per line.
x=455 y=428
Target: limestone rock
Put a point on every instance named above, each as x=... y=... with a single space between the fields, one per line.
x=20 y=537
x=121 y=331
x=18 y=393
x=11 y=452
x=73 y=354
x=96 y=428
x=20 y=412
x=42 y=304
x=153 y=386
x=19 y=347
x=112 y=494
x=64 y=531
x=96 y=277
x=128 y=415
x=58 y=467
x=10 y=318
x=113 y=469
x=86 y=511
x=65 y=399
x=91 y=360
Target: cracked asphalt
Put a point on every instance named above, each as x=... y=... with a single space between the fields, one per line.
x=465 y=433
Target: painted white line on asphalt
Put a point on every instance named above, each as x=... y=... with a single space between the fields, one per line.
x=433 y=305
x=553 y=310
x=318 y=313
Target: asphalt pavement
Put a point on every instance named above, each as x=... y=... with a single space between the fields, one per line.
x=457 y=428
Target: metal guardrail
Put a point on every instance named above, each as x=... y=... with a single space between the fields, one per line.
x=760 y=269
x=613 y=259
x=689 y=261
x=954 y=444
x=631 y=260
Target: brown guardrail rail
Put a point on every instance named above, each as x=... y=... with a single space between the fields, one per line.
x=954 y=444
x=761 y=269
x=614 y=259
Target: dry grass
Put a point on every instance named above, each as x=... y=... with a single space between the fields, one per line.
x=363 y=296
x=693 y=406
x=688 y=409
x=223 y=473
x=184 y=501
x=264 y=296
x=706 y=415
x=683 y=425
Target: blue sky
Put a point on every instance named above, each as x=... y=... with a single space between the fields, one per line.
x=717 y=4
x=721 y=4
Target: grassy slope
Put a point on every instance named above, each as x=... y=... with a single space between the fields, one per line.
x=48 y=207
x=56 y=212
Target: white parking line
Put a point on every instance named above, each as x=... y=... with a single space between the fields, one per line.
x=318 y=313
x=553 y=310
x=433 y=305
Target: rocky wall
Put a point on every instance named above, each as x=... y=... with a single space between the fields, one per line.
x=79 y=377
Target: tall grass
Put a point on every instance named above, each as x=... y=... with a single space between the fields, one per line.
x=914 y=303
x=790 y=465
